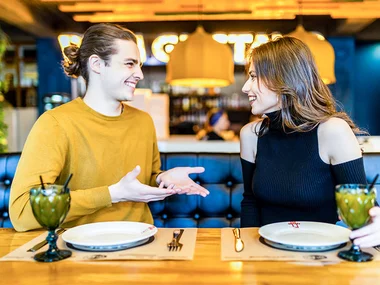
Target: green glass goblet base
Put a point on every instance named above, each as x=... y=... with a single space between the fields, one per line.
x=50 y=256
x=355 y=255
x=53 y=253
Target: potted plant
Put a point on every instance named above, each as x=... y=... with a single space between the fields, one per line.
x=3 y=126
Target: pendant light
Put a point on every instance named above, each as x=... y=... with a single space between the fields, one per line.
x=322 y=51
x=200 y=61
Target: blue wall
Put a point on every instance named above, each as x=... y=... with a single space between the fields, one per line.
x=367 y=86
x=343 y=89
x=50 y=73
x=357 y=70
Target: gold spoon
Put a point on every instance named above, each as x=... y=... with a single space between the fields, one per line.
x=239 y=244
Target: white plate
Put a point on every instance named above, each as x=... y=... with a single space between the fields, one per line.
x=309 y=234
x=110 y=247
x=302 y=248
x=108 y=234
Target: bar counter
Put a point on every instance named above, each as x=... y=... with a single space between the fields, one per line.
x=189 y=144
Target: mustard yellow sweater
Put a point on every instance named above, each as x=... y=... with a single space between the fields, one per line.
x=99 y=150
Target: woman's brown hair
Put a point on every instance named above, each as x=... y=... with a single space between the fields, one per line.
x=286 y=66
x=98 y=39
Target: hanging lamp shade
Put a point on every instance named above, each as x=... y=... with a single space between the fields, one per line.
x=322 y=51
x=200 y=61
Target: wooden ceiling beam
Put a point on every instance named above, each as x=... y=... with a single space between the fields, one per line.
x=18 y=14
x=353 y=26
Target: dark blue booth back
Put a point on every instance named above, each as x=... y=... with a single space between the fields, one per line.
x=222 y=178
x=221 y=208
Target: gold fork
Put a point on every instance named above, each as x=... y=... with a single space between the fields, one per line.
x=174 y=245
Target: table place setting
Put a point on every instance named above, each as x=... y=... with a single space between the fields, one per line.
x=117 y=241
x=288 y=241
x=306 y=241
x=114 y=240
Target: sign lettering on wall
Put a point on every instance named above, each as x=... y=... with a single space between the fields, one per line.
x=164 y=44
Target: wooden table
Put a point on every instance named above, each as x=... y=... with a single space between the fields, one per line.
x=206 y=268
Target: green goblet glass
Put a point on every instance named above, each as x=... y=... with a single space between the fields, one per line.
x=354 y=202
x=50 y=207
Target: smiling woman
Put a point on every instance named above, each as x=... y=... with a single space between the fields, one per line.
x=293 y=158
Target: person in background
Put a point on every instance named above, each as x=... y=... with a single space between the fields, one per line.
x=294 y=157
x=110 y=147
x=216 y=127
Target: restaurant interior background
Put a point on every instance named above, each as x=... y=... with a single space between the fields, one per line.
x=33 y=56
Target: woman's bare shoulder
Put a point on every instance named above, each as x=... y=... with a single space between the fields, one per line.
x=334 y=127
x=248 y=140
x=249 y=130
x=337 y=142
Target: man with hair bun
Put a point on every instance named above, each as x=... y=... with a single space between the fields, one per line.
x=110 y=147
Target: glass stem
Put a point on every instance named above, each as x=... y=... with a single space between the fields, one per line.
x=355 y=249
x=52 y=240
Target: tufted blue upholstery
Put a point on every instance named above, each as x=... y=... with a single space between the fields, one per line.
x=221 y=208
x=222 y=178
x=8 y=165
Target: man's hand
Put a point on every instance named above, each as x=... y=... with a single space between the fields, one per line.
x=131 y=189
x=178 y=178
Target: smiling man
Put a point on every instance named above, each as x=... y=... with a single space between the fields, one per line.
x=110 y=147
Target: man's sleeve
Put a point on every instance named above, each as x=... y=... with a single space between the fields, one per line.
x=45 y=153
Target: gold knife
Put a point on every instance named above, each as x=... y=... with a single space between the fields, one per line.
x=239 y=244
x=44 y=242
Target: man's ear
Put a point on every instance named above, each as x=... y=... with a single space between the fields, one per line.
x=95 y=63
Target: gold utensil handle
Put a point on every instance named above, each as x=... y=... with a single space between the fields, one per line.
x=236 y=232
x=43 y=243
x=239 y=244
x=179 y=234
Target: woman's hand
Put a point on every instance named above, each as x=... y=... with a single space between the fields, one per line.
x=368 y=235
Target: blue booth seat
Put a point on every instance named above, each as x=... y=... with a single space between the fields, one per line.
x=223 y=178
x=221 y=208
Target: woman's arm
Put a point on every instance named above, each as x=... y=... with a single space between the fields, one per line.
x=340 y=148
x=248 y=145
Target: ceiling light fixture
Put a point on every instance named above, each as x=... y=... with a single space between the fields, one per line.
x=322 y=51
x=200 y=61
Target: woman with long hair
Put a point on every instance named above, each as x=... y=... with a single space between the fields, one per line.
x=303 y=147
